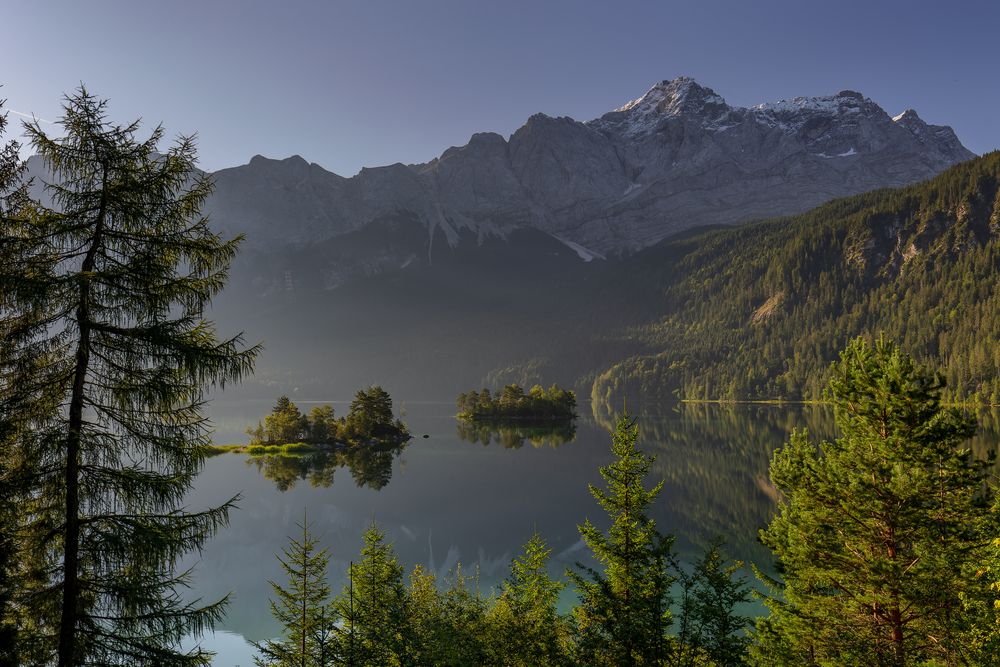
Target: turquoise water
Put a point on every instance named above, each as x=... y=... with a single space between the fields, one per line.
x=446 y=500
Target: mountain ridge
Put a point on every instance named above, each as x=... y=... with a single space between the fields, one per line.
x=677 y=157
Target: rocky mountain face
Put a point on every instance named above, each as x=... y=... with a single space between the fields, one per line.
x=678 y=157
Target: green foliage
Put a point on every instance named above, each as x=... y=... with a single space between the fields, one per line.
x=761 y=310
x=285 y=424
x=373 y=608
x=428 y=632
x=539 y=404
x=528 y=629
x=624 y=611
x=464 y=619
x=623 y=617
x=302 y=607
x=101 y=313
x=322 y=427
x=710 y=629
x=21 y=410
x=881 y=532
x=369 y=418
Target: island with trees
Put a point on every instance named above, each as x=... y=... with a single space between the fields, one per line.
x=554 y=404
x=287 y=430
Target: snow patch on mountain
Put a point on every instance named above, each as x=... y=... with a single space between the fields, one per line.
x=847 y=153
x=586 y=254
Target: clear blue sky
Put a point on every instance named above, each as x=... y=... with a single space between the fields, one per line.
x=372 y=82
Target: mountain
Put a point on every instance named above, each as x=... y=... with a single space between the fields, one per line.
x=756 y=311
x=678 y=157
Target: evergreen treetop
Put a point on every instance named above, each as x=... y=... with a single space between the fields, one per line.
x=624 y=611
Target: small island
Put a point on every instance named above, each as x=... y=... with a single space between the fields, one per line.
x=554 y=404
x=286 y=430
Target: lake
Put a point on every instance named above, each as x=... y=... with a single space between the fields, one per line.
x=451 y=499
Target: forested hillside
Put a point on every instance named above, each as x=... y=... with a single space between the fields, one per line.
x=760 y=311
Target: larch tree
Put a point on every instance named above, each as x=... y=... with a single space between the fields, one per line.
x=624 y=610
x=880 y=534
x=302 y=606
x=103 y=298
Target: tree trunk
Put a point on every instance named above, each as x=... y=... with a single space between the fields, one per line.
x=71 y=547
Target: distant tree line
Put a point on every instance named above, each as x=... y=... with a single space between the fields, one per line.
x=369 y=417
x=554 y=403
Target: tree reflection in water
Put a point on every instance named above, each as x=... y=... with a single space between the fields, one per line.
x=513 y=434
x=370 y=466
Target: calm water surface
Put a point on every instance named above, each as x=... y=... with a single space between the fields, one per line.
x=451 y=499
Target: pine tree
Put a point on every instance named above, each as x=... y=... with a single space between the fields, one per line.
x=102 y=306
x=624 y=611
x=529 y=628
x=374 y=607
x=370 y=414
x=880 y=533
x=302 y=607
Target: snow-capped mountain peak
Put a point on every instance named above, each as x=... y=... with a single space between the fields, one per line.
x=682 y=96
x=676 y=157
x=794 y=113
x=673 y=97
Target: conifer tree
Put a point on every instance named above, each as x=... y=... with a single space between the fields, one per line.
x=710 y=629
x=525 y=617
x=880 y=533
x=624 y=610
x=302 y=607
x=463 y=616
x=103 y=296
x=427 y=632
x=374 y=607
x=14 y=409
x=370 y=414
